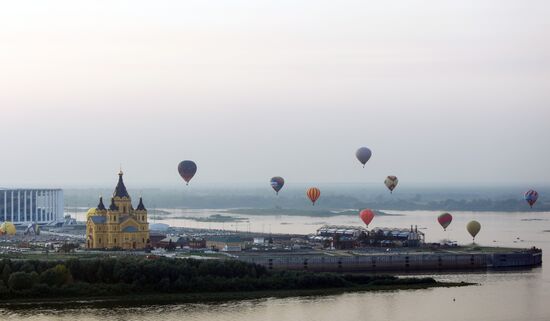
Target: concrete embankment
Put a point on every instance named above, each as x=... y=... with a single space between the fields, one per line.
x=402 y=262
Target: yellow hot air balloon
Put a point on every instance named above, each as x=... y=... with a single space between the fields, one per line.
x=7 y=228
x=473 y=228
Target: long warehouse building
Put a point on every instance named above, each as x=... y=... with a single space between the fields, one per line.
x=23 y=206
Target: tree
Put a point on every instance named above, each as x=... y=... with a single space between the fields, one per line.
x=21 y=281
x=6 y=272
x=56 y=276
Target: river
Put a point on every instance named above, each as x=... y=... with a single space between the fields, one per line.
x=513 y=295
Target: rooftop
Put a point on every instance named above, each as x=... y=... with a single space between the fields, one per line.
x=120 y=189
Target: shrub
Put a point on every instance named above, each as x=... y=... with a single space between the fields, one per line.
x=21 y=281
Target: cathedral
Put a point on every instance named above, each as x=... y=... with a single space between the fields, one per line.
x=119 y=225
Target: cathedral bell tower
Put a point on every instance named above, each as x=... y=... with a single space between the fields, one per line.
x=121 y=198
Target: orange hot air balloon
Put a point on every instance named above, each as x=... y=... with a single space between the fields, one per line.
x=313 y=193
x=366 y=215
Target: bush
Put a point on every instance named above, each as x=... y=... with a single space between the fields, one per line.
x=21 y=281
x=56 y=276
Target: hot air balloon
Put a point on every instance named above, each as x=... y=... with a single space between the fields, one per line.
x=187 y=170
x=445 y=219
x=363 y=154
x=473 y=228
x=277 y=183
x=366 y=215
x=391 y=182
x=7 y=228
x=313 y=193
x=531 y=197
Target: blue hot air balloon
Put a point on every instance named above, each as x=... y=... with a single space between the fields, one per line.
x=277 y=183
x=363 y=154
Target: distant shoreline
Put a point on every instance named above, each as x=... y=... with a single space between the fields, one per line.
x=301 y=212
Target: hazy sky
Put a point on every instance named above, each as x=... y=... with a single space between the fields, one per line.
x=441 y=91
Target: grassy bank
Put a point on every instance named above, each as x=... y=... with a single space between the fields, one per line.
x=181 y=298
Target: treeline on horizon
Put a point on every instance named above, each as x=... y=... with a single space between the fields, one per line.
x=130 y=276
x=406 y=201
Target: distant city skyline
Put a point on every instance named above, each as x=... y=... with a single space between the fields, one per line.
x=446 y=93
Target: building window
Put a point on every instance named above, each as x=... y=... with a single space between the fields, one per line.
x=115 y=240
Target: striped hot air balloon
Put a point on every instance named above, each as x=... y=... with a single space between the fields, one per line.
x=313 y=193
x=531 y=197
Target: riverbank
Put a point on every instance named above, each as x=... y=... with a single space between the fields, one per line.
x=178 y=298
x=142 y=280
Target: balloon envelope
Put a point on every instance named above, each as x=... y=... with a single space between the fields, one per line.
x=391 y=182
x=313 y=193
x=473 y=228
x=444 y=220
x=531 y=197
x=187 y=170
x=277 y=183
x=366 y=216
x=7 y=228
x=363 y=154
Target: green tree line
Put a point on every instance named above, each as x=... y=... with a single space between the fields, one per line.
x=131 y=276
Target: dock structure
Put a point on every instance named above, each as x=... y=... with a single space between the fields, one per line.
x=397 y=262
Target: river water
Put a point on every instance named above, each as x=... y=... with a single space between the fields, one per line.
x=513 y=295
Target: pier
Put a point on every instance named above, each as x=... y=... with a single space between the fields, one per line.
x=339 y=261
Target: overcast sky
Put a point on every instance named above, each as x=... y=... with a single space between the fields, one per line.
x=442 y=92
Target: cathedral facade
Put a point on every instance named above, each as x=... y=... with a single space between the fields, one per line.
x=119 y=225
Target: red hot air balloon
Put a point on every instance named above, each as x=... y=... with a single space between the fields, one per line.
x=313 y=193
x=366 y=215
x=444 y=220
x=187 y=170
